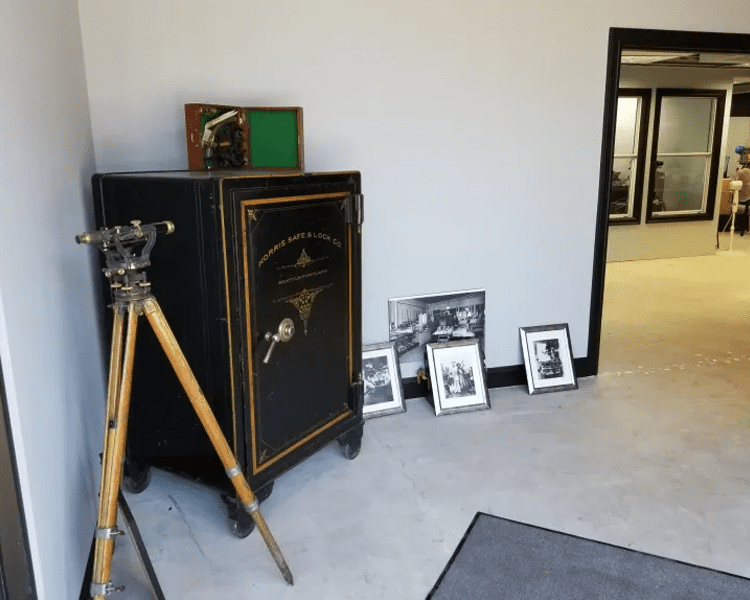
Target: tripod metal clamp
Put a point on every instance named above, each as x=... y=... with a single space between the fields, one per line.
x=234 y=471
x=105 y=589
x=106 y=533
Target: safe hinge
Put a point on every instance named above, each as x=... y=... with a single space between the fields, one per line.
x=355 y=209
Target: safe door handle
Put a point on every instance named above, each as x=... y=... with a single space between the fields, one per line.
x=284 y=334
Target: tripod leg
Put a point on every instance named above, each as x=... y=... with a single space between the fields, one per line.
x=180 y=365
x=118 y=403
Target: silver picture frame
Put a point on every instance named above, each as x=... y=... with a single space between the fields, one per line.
x=384 y=393
x=548 y=358
x=457 y=377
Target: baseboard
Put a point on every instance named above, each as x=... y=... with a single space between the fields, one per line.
x=499 y=377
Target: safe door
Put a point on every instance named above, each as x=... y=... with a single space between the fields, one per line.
x=297 y=287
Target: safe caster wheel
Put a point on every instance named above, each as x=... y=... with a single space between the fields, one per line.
x=351 y=451
x=136 y=476
x=241 y=524
x=351 y=442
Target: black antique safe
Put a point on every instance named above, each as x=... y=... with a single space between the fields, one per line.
x=261 y=285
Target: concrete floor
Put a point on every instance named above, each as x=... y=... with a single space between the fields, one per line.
x=652 y=454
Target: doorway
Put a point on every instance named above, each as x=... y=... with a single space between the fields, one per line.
x=677 y=42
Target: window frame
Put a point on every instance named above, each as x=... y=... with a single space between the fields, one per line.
x=712 y=158
x=635 y=193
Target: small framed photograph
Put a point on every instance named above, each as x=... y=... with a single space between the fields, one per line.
x=548 y=358
x=457 y=377
x=384 y=394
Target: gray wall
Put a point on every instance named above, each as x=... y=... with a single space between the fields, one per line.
x=49 y=345
x=664 y=240
x=477 y=127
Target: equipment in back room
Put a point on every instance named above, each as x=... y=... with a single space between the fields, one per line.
x=261 y=282
x=739 y=188
x=260 y=138
x=744 y=156
x=659 y=179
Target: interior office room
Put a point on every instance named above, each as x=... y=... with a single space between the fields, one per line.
x=697 y=115
x=478 y=129
x=681 y=273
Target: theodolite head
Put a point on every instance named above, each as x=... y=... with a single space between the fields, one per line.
x=127 y=250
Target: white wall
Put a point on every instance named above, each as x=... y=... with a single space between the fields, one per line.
x=663 y=240
x=477 y=126
x=49 y=344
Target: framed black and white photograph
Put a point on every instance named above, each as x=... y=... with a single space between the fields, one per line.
x=384 y=394
x=548 y=358
x=418 y=320
x=457 y=377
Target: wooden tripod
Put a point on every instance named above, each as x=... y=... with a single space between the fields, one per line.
x=132 y=298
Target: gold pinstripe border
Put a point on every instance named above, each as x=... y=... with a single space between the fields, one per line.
x=257 y=467
x=229 y=320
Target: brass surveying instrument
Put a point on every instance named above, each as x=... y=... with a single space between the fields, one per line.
x=127 y=254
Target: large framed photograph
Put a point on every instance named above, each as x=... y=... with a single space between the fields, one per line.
x=416 y=321
x=384 y=394
x=457 y=377
x=548 y=358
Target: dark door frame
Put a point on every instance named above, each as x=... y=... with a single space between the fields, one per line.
x=632 y=39
x=16 y=574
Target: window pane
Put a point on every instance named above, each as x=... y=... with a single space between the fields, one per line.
x=622 y=179
x=679 y=183
x=627 y=119
x=685 y=124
